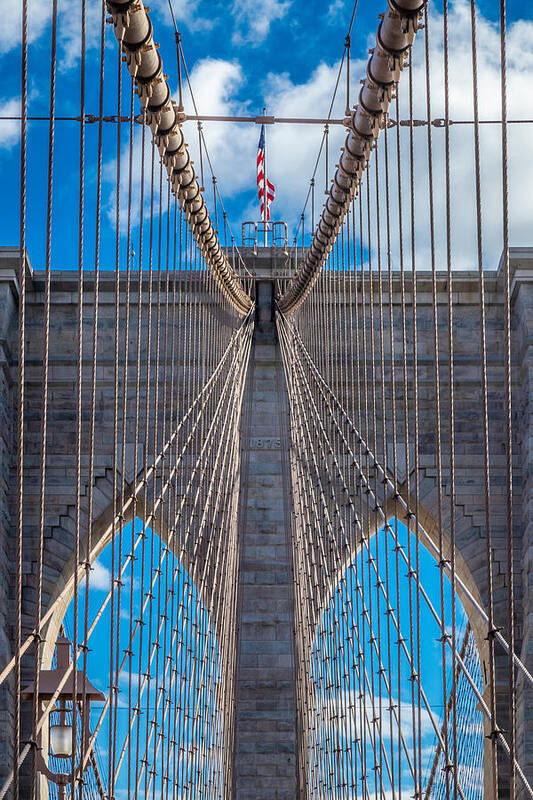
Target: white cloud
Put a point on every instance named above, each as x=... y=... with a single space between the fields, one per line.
x=463 y=221
x=9 y=128
x=39 y=19
x=69 y=24
x=252 y=23
x=292 y=149
x=214 y=82
x=100 y=577
x=253 y=20
x=110 y=176
x=231 y=146
x=69 y=33
x=335 y=11
x=187 y=12
x=347 y=703
x=124 y=679
x=39 y=14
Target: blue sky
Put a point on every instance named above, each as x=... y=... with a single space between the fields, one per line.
x=175 y=665
x=347 y=601
x=197 y=689
x=242 y=55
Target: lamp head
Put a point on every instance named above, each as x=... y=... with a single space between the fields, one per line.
x=61 y=740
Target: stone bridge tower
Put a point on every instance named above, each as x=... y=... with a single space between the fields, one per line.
x=266 y=735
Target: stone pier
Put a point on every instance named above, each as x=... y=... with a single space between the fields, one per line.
x=265 y=746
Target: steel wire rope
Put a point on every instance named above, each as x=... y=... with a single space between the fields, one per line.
x=113 y=689
x=67 y=674
x=451 y=386
x=395 y=36
x=173 y=497
x=204 y=513
x=368 y=383
x=352 y=358
x=122 y=436
x=345 y=489
x=136 y=433
x=384 y=454
x=375 y=434
x=140 y=486
x=154 y=648
x=415 y=406
x=363 y=500
x=216 y=191
x=394 y=454
x=161 y=345
x=428 y=542
x=484 y=403
x=323 y=141
x=78 y=395
x=44 y=408
x=322 y=632
x=407 y=430
x=21 y=398
x=92 y=412
x=438 y=750
x=76 y=659
x=337 y=643
x=142 y=538
x=156 y=572
x=145 y=66
x=378 y=369
x=378 y=507
x=366 y=612
x=437 y=400
x=410 y=658
x=345 y=253
x=511 y=621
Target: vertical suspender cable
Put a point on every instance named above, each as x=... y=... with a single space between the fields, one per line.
x=451 y=393
x=79 y=388
x=395 y=36
x=44 y=408
x=437 y=400
x=21 y=394
x=485 y=416
x=508 y=405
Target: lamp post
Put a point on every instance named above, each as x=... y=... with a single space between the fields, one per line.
x=60 y=734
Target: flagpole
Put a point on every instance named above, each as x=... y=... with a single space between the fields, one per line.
x=265 y=196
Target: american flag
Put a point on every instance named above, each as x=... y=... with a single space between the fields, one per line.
x=271 y=191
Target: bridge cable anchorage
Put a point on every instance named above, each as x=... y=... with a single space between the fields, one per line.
x=394 y=39
x=134 y=33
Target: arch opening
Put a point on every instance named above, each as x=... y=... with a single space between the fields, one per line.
x=153 y=650
x=392 y=703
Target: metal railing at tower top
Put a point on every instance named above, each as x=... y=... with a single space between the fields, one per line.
x=133 y=30
x=396 y=32
x=265 y=234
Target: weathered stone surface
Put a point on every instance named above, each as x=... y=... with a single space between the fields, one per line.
x=265 y=752
x=265 y=702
